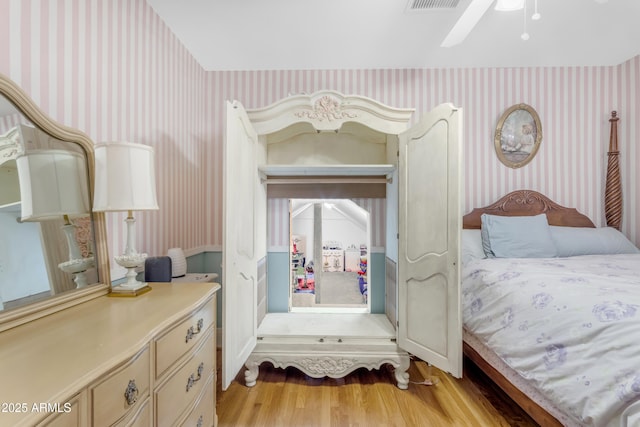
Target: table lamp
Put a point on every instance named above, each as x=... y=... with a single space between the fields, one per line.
x=125 y=181
x=53 y=185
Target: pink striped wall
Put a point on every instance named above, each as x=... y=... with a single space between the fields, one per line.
x=10 y=121
x=574 y=104
x=115 y=71
x=629 y=137
x=377 y=209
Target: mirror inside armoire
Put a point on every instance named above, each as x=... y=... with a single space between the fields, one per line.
x=52 y=252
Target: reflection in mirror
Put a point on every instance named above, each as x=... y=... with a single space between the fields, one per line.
x=329 y=256
x=47 y=245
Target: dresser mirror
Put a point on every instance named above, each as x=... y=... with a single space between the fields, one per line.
x=52 y=252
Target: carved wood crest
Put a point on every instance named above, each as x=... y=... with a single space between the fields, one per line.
x=326 y=108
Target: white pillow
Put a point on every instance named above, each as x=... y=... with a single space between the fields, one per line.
x=471 y=246
x=574 y=241
x=517 y=237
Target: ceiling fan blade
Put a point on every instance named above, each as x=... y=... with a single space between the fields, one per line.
x=466 y=22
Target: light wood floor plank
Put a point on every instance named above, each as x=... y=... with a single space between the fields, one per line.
x=287 y=397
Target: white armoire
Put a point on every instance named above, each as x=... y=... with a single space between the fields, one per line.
x=319 y=145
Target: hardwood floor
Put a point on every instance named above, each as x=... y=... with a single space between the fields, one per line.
x=287 y=397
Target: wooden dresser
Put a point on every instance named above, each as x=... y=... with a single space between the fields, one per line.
x=143 y=361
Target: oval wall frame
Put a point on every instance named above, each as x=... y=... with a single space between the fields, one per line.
x=518 y=135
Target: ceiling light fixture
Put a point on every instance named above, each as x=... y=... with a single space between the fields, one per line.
x=477 y=8
x=509 y=5
x=525 y=35
x=536 y=16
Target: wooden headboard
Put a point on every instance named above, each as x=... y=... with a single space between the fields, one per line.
x=528 y=202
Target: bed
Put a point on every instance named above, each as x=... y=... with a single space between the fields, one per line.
x=552 y=315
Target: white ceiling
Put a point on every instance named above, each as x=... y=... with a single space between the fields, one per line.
x=343 y=208
x=365 y=34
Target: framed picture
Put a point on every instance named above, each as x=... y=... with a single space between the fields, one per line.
x=518 y=135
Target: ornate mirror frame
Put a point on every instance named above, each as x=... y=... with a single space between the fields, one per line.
x=14 y=317
x=518 y=135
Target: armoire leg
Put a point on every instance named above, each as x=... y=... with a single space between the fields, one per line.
x=251 y=374
x=402 y=376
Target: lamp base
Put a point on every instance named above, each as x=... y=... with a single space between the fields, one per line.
x=132 y=287
x=77 y=267
x=122 y=291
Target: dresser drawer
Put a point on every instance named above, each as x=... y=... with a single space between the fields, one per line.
x=73 y=413
x=183 y=387
x=141 y=417
x=183 y=337
x=119 y=391
x=204 y=412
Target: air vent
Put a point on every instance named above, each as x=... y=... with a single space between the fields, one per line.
x=426 y=5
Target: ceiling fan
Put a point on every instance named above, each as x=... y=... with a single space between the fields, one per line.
x=472 y=15
x=477 y=8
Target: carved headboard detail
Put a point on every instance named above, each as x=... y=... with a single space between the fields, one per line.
x=528 y=202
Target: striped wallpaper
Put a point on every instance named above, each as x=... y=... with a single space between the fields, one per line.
x=10 y=121
x=115 y=71
x=574 y=105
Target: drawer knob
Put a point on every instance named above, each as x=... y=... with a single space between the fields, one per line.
x=191 y=331
x=131 y=393
x=200 y=420
x=193 y=379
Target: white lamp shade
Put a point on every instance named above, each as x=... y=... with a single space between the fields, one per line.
x=125 y=177
x=53 y=183
x=509 y=5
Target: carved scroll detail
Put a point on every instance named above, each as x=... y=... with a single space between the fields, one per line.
x=326 y=108
x=10 y=146
x=524 y=198
x=326 y=365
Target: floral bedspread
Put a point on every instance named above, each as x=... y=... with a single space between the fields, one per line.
x=570 y=326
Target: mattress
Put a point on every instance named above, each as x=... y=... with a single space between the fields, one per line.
x=575 y=323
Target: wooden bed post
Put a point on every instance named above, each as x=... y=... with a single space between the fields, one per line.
x=613 y=186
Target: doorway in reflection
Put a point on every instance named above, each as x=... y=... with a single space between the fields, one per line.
x=329 y=256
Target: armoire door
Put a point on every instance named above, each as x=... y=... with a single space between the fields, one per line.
x=429 y=223
x=240 y=256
